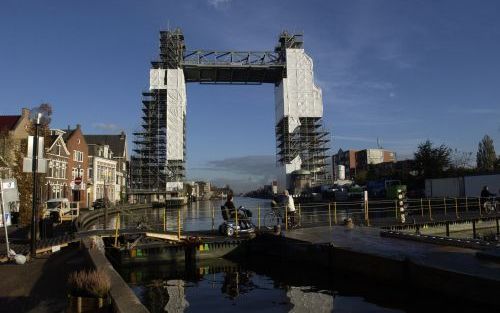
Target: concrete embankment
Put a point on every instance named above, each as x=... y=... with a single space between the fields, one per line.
x=452 y=271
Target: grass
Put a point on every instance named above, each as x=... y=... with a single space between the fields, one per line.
x=89 y=283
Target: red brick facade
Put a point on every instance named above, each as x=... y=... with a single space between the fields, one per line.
x=77 y=165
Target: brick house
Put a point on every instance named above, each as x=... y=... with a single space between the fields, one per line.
x=77 y=166
x=57 y=155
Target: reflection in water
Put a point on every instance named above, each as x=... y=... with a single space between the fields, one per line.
x=303 y=299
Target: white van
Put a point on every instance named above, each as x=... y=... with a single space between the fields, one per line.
x=60 y=209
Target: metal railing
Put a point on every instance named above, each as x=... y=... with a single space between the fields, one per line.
x=182 y=220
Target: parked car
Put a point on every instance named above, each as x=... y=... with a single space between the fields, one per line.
x=101 y=203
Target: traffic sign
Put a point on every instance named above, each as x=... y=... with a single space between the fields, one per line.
x=78 y=180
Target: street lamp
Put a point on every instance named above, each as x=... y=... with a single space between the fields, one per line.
x=35 y=163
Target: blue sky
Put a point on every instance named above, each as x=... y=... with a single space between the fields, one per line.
x=402 y=71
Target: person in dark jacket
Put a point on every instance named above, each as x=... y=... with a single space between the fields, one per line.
x=242 y=217
x=485 y=193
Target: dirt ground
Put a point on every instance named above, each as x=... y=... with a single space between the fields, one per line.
x=40 y=285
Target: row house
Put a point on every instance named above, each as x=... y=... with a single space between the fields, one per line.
x=102 y=173
x=57 y=155
x=117 y=151
x=78 y=164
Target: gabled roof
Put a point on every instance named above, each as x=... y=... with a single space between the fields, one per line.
x=117 y=143
x=8 y=122
x=56 y=138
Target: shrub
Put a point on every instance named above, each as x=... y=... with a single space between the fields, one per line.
x=89 y=283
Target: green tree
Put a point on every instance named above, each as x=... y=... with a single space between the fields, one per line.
x=486 y=156
x=432 y=161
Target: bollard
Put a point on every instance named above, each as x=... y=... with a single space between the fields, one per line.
x=165 y=219
x=179 y=224
x=456 y=208
x=117 y=226
x=335 y=212
x=422 y=206
x=329 y=215
x=367 y=214
x=430 y=209
x=445 y=209
x=258 y=214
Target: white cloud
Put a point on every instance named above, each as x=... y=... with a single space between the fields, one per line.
x=219 y=4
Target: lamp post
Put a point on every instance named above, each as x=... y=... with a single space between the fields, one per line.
x=34 y=168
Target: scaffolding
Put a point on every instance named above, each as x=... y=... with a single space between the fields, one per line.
x=309 y=141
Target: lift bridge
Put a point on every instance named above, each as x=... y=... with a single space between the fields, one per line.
x=160 y=147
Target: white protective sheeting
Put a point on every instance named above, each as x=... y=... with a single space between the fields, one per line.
x=157 y=79
x=176 y=112
x=297 y=95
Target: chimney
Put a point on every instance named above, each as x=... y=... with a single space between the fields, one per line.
x=122 y=135
x=25 y=112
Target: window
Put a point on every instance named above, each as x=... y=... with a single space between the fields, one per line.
x=81 y=173
x=90 y=175
x=58 y=149
x=78 y=156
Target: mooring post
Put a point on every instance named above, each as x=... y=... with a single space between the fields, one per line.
x=456 y=208
x=430 y=209
x=445 y=208
x=466 y=205
x=474 y=229
x=117 y=226
x=422 y=206
x=329 y=215
x=447 y=229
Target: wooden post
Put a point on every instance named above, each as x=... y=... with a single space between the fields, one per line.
x=117 y=226
x=456 y=208
x=367 y=213
x=422 y=206
x=479 y=205
x=396 y=208
x=466 y=205
x=445 y=208
x=335 y=212
x=329 y=215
